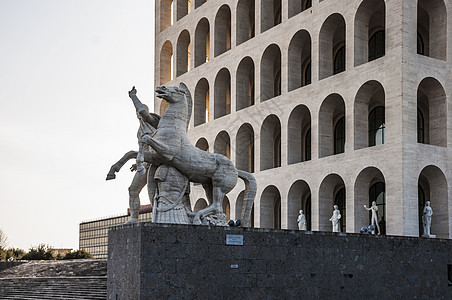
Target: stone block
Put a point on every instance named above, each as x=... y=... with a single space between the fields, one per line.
x=146 y=263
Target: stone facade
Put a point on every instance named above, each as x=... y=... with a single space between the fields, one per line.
x=326 y=101
x=155 y=261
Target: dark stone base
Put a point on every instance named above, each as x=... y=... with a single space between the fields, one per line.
x=155 y=261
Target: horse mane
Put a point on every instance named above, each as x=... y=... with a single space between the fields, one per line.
x=187 y=93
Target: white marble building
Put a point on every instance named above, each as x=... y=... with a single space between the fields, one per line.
x=325 y=101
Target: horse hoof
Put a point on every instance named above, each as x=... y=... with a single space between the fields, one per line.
x=130 y=221
x=197 y=222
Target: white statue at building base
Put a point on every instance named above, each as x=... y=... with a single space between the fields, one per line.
x=301 y=220
x=335 y=219
x=374 y=218
x=427 y=220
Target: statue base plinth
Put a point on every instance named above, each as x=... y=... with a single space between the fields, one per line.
x=161 y=261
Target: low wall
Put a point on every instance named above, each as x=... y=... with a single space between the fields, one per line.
x=155 y=261
x=9 y=264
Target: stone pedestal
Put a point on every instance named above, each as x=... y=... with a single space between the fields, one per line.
x=158 y=261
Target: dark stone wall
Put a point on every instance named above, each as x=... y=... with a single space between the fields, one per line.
x=155 y=261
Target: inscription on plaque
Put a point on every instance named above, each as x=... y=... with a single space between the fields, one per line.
x=234 y=239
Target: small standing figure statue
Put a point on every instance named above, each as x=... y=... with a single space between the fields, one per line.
x=374 y=219
x=335 y=219
x=427 y=220
x=301 y=221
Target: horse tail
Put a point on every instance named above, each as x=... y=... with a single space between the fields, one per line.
x=248 y=198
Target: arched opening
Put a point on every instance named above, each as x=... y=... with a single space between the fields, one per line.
x=339 y=200
x=201 y=203
x=339 y=60
x=270 y=14
x=299 y=60
x=339 y=136
x=163 y=106
x=369 y=113
x=270 y=208
x=332 y=126
x=183 y=53
x=239 y=207
x=166 y=63
x=271 y=73
x=166 y=14
x=222 y=144
x=332 y=46
x=245 y=84
x=431 y=113
x=245 y=21
x=226 y=207
x=376 y=130
x=198 y=3
x=202 y=144
x=331 y=192
x=297 y=6
x=420 y=127
x=202 y=42
x=370 y=31
x=270 y=143
x=377 y=45
x=183 y=8
x=422 y=184
x=370 y=186
x=433 y=184
x=222 y=93
x=222 y=30
x=377 y=193
x=432 y=28
x=245 y=148
x=299 y=198
x=201 y=102
x=299 y=135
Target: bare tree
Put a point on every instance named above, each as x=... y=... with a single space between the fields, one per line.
x=3 y=239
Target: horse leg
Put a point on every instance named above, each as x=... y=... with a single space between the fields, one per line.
x=117 y=166
x=160 y=147
x=215 y=207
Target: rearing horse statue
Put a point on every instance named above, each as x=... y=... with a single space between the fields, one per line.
x=169 y=144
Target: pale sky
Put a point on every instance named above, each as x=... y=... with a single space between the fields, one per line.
x=65 y=117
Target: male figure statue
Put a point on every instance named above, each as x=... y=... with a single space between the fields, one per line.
x=374 y=218
x=148 y=125
x=301 y=220
x=335 y=219
x=171 y=200
x=427 y=220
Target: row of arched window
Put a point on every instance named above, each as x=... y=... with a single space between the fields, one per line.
x=369 y=40
x=369 y=186
x=369 y=126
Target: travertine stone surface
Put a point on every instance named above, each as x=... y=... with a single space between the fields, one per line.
x=154 y=261
x=392 y=81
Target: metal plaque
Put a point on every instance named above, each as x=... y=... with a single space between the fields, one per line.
x=234 y=239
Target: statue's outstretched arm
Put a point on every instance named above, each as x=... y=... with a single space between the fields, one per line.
x=143 y=110
x=136 y=102
x=117 y=166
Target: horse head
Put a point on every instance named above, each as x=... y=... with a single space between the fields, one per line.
x=174 y=95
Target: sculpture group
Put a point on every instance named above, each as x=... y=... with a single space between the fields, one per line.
x=167 y=162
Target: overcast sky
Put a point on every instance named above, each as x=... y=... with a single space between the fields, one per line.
x=65 y=117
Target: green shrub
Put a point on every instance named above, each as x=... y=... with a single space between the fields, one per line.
x=78 y=254
x=41 y=252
